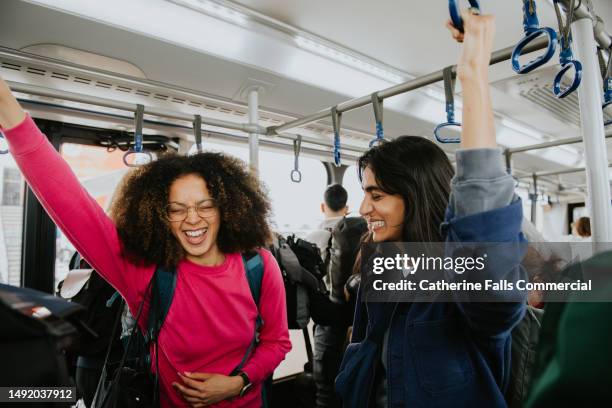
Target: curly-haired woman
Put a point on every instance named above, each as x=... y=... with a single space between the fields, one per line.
x=197 y=215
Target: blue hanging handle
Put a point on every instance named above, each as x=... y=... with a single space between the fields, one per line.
x=532 y=29
x=336 y=119
x=608 y=92
x=455 y=14
x=607 y=86
x=566 y=57
x=3 y=138
x=377 y=103
x=449 y=90
x=137 y=149
x=197 y=132
x=296 y=175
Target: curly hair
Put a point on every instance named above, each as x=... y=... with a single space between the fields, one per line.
x=139 y=208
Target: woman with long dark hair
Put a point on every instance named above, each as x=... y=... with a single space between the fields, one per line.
x=444 y=354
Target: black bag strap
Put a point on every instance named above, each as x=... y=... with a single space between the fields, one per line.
x=162 y=293
x=126 y=352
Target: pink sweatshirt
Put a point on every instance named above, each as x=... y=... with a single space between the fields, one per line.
x=211 y=321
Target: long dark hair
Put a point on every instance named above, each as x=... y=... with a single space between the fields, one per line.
x=419 y=171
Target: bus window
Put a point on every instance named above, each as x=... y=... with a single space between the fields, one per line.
x=11 y=220
x=353 y=187
x=296 y=206
x=99 y=171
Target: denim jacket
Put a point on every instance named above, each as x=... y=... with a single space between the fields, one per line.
x=456 y=354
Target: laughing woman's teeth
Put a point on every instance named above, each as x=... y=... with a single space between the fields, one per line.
x=377 y=224
x=195 y=233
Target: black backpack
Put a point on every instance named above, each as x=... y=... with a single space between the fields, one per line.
x=343 y=247
x=302 y=268
x=37 y=328
x=525 y=339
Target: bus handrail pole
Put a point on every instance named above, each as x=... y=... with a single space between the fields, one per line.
x=420 y=82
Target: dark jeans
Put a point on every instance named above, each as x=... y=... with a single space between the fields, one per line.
x=328 y=350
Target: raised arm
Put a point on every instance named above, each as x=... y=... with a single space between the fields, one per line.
x=483 y=205
x=11 y=113
x=72 y=209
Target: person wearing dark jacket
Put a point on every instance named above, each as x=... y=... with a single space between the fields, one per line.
x=453 y=354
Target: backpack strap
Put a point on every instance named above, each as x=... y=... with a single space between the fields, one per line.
x=254 y=269
x=162 y=292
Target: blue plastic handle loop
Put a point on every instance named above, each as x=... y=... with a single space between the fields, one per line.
x=532 y=29
x=336 y=121
x=137 y=149
x=130 y=152
x=567 y=61
x=449 y=90
x=3 y=151
x=539 y=61
x=562 y=93
x=448 y=139
x=455 y=14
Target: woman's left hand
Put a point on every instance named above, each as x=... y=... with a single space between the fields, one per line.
x=203 y=389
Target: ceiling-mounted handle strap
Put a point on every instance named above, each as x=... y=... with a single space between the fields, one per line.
x=296 y=175
x=377 y=104
x=566 y=57
x=3 y=142
x=137 y=148
x=449 y=90
x=197 y=132
x=455 y=13
x=336 y=122
x=607 y=85
x=532 y=29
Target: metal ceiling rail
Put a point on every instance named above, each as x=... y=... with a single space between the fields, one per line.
x=555 y=172
x=420 y=82
x=553 y=143
x=164 y=113
x=125 y=106
x=29 y=104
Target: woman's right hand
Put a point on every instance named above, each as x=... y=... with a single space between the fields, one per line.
x=11 y=113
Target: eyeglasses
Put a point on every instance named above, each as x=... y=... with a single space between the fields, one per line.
x=178 y=212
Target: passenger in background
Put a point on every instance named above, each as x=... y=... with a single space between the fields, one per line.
x=329 y=341
x=334 y=208
x=194 y=215
x=582 y=228
x=439 y=354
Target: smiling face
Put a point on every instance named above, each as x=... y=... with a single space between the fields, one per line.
x=196 y=234
x=384 y=212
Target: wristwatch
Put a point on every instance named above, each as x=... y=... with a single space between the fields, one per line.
x=246 y=381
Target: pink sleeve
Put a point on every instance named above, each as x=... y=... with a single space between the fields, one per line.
x=73 y=210
x=274 y=336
